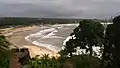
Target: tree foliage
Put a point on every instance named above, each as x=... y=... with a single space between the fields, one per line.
x=109 y=47
x=89 y=33
x=85 y=61
x=4 y=52
x=111 y=53
x=4 y=44
x=44 y=62
x=81 y=61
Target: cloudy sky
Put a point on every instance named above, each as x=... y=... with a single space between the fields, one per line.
x=60 y=8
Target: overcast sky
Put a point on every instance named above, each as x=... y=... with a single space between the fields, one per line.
x=60 y=8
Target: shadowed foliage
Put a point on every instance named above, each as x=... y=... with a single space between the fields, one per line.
x=89 y=33
x=4 y=52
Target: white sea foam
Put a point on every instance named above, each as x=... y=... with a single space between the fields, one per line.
x=61 y=25
x=48 y=46
x=27 y=39
x=67 y=39
x=42 y=35
x=51 y=34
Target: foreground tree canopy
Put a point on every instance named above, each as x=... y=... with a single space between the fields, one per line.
x=88 y=34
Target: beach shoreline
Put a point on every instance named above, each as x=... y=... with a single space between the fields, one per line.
x=17 y=37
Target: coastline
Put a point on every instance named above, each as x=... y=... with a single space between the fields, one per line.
x=17 y=37
x=51 y=38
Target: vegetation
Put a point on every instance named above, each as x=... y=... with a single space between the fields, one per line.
x=81 y=61
x=44 y=62
x=21 y=21
x=111 y=51
x=4 y=52
x=88 y=34
x=91 y=33
x=85 y=61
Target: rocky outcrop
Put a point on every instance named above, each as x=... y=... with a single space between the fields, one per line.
x=20 y=57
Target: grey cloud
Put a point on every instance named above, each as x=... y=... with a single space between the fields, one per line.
x=60 y=8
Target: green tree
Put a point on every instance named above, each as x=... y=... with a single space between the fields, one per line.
x=85 y=61
x=88 y=34
x=109 y=47
x=111 y=53
x=116 y=41
x=70 y=47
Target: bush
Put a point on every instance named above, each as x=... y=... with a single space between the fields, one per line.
x=81 y=61
x=85 y=61
x=4 y=52
x=44 y=62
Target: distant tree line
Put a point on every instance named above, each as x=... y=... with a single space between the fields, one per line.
x=59 y=21
x=17 y=21
x=13 y=21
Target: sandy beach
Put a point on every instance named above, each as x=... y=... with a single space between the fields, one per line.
x=17 y=37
